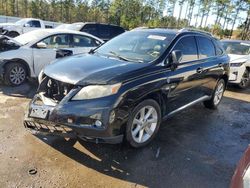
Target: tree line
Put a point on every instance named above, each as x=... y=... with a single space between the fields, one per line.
x=134 y=13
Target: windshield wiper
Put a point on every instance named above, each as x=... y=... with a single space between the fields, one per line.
x=124 y=58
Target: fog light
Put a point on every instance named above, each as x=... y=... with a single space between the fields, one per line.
x=70 y=120
x=98 y=123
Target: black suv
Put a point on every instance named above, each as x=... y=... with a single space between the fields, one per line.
x=124 y=89
x=100 y=30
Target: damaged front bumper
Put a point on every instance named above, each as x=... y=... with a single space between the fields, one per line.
x=69 y=119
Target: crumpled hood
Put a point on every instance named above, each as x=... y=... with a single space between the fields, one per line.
x=7 y=44
x=238 y=58
x=91 y=69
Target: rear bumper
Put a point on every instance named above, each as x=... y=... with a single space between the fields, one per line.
x=77 y=119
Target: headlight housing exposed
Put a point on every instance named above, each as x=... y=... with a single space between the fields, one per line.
x=40 y=76
x=96 y=91
x=236 y=64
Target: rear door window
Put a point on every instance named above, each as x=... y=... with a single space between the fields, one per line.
x=188 y=47
x=206 y=47
x=84 y=41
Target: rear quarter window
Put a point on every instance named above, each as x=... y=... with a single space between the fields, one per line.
x=218 y=47
x=206 y=47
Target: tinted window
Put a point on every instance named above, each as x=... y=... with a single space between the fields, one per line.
x=187 y=46
x=116 y=31
x=218 y=47
x=83 y=41
x=206 y=47
x=57 y=41
x=104 y=31
x=34 y=23
x=90 y=28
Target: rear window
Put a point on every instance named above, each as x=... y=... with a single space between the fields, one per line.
x=206 y=47
x=218 y=47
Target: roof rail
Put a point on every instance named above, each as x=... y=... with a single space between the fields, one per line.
x=195 y=30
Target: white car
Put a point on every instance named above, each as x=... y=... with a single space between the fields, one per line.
x=21 y=26
x=26 y=55
x=239 y=53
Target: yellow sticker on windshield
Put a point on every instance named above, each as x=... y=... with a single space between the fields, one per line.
x=156 y=37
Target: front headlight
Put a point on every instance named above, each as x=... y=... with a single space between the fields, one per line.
x=96 y=91
x=40 y=76
x=236 y=64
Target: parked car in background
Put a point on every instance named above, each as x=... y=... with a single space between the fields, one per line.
x=241 y=176
x=22 y=26
x=100 y=30
x=26 y=55
x=239 y=53
x=127 y=86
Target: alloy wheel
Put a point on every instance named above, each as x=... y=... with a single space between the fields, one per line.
x=144 y=124
x=17 y=75
x=219 y=93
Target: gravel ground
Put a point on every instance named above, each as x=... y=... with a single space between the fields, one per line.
x=197 y=148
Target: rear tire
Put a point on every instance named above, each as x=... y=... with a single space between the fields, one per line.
x=245 y=80
x=217 y=96
x=143 y=123
x=15 y=74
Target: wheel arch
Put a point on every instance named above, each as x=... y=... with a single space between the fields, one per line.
x=21 y=61
x=156 y=96
x=248 y=68
x=13 y=31
x=225 y=78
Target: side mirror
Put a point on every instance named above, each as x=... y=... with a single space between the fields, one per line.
x=41 y=45
x=26 y=25
x=176 y=59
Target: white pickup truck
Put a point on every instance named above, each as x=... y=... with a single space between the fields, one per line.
x=21 y=26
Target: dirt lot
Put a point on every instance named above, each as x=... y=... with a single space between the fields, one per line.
x=198 y=148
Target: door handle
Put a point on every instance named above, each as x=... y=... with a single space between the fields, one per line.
x=199 y=70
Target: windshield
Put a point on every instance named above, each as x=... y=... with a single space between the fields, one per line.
x=137 y=46
x=30 y=36
x=21 y=22
x=238 y=48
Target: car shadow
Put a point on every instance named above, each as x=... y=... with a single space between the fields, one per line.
x=234 y=88
x=26 y=90
x=196 y=147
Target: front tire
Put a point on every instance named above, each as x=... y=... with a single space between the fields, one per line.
x=245 y=80
x=12 y=34
x=143 y=123
x=15 y=74
x=217 y=96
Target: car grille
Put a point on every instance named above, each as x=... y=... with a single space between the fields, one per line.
x=54 y=89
